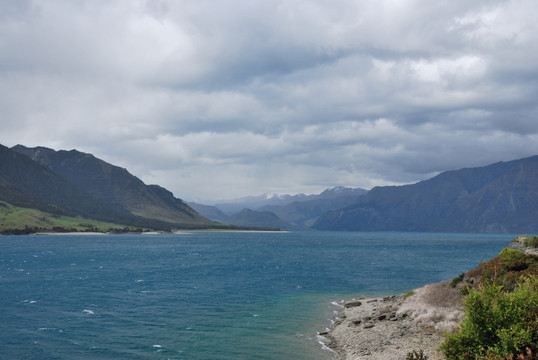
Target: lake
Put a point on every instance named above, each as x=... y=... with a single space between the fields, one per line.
x=207 y=295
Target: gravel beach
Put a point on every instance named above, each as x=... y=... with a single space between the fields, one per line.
x=390 y=327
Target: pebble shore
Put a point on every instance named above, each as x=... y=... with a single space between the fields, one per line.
x=389 y=328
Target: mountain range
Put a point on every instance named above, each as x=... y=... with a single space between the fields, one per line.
x=267 y=201
x=290 y=212
x=499 y=198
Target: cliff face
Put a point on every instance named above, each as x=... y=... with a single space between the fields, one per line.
x=501 y=197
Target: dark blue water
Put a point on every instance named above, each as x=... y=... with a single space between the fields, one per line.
x=206 y=295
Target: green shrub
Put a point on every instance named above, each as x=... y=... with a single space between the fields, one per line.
x=464 y=290
x=497 y=324
x=531 y=241
x=513 y=260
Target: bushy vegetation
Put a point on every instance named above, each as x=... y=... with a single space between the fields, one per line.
x=504 y=269
x=457 y=280
x=498 y=324
x=531 y=241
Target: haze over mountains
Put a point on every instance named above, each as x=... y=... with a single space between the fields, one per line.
x=498 y=198
x=290 y=212
x=502 y=198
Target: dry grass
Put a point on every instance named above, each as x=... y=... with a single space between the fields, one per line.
x=436 y=305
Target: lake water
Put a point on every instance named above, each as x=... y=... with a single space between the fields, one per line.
x=207 y=295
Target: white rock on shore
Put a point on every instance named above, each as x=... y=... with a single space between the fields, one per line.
x=389 y=328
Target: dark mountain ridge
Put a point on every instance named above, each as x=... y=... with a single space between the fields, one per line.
x=25 y=183
x=76 y=183
x=501 y=197
x=114 y=185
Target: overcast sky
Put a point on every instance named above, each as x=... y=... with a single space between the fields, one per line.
x=221 y=99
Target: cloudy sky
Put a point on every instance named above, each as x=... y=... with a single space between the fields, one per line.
x=221 y=99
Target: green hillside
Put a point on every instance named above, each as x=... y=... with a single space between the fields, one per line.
x=19 y=220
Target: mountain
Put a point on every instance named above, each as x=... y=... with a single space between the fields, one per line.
x=118 y=195
x=266 y=219
x=27 y=184
x=305 y=213
x=231 y=207
x=274 y=201
x=338 y=192
x=502 y=197
x=210 y=212
x=115 y=185
x=271 y=203
x=297 y=211
x=245 y=217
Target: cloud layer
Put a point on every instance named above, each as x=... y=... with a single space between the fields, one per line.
x=223 y=99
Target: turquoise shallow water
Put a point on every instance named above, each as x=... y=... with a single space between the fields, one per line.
x=206 y=295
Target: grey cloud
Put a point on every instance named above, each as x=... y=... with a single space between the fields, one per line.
x=208 y=98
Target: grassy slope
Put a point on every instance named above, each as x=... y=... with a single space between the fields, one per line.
x=15 y=219
x=19 y=220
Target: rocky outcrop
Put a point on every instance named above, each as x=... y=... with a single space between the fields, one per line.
x=519 y=244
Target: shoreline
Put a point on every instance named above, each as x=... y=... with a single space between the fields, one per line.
x=88 y=233
x=390 y=327
x=177 y=232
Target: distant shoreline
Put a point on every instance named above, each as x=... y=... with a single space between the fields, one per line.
x=178 y=232
x=89 y=233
